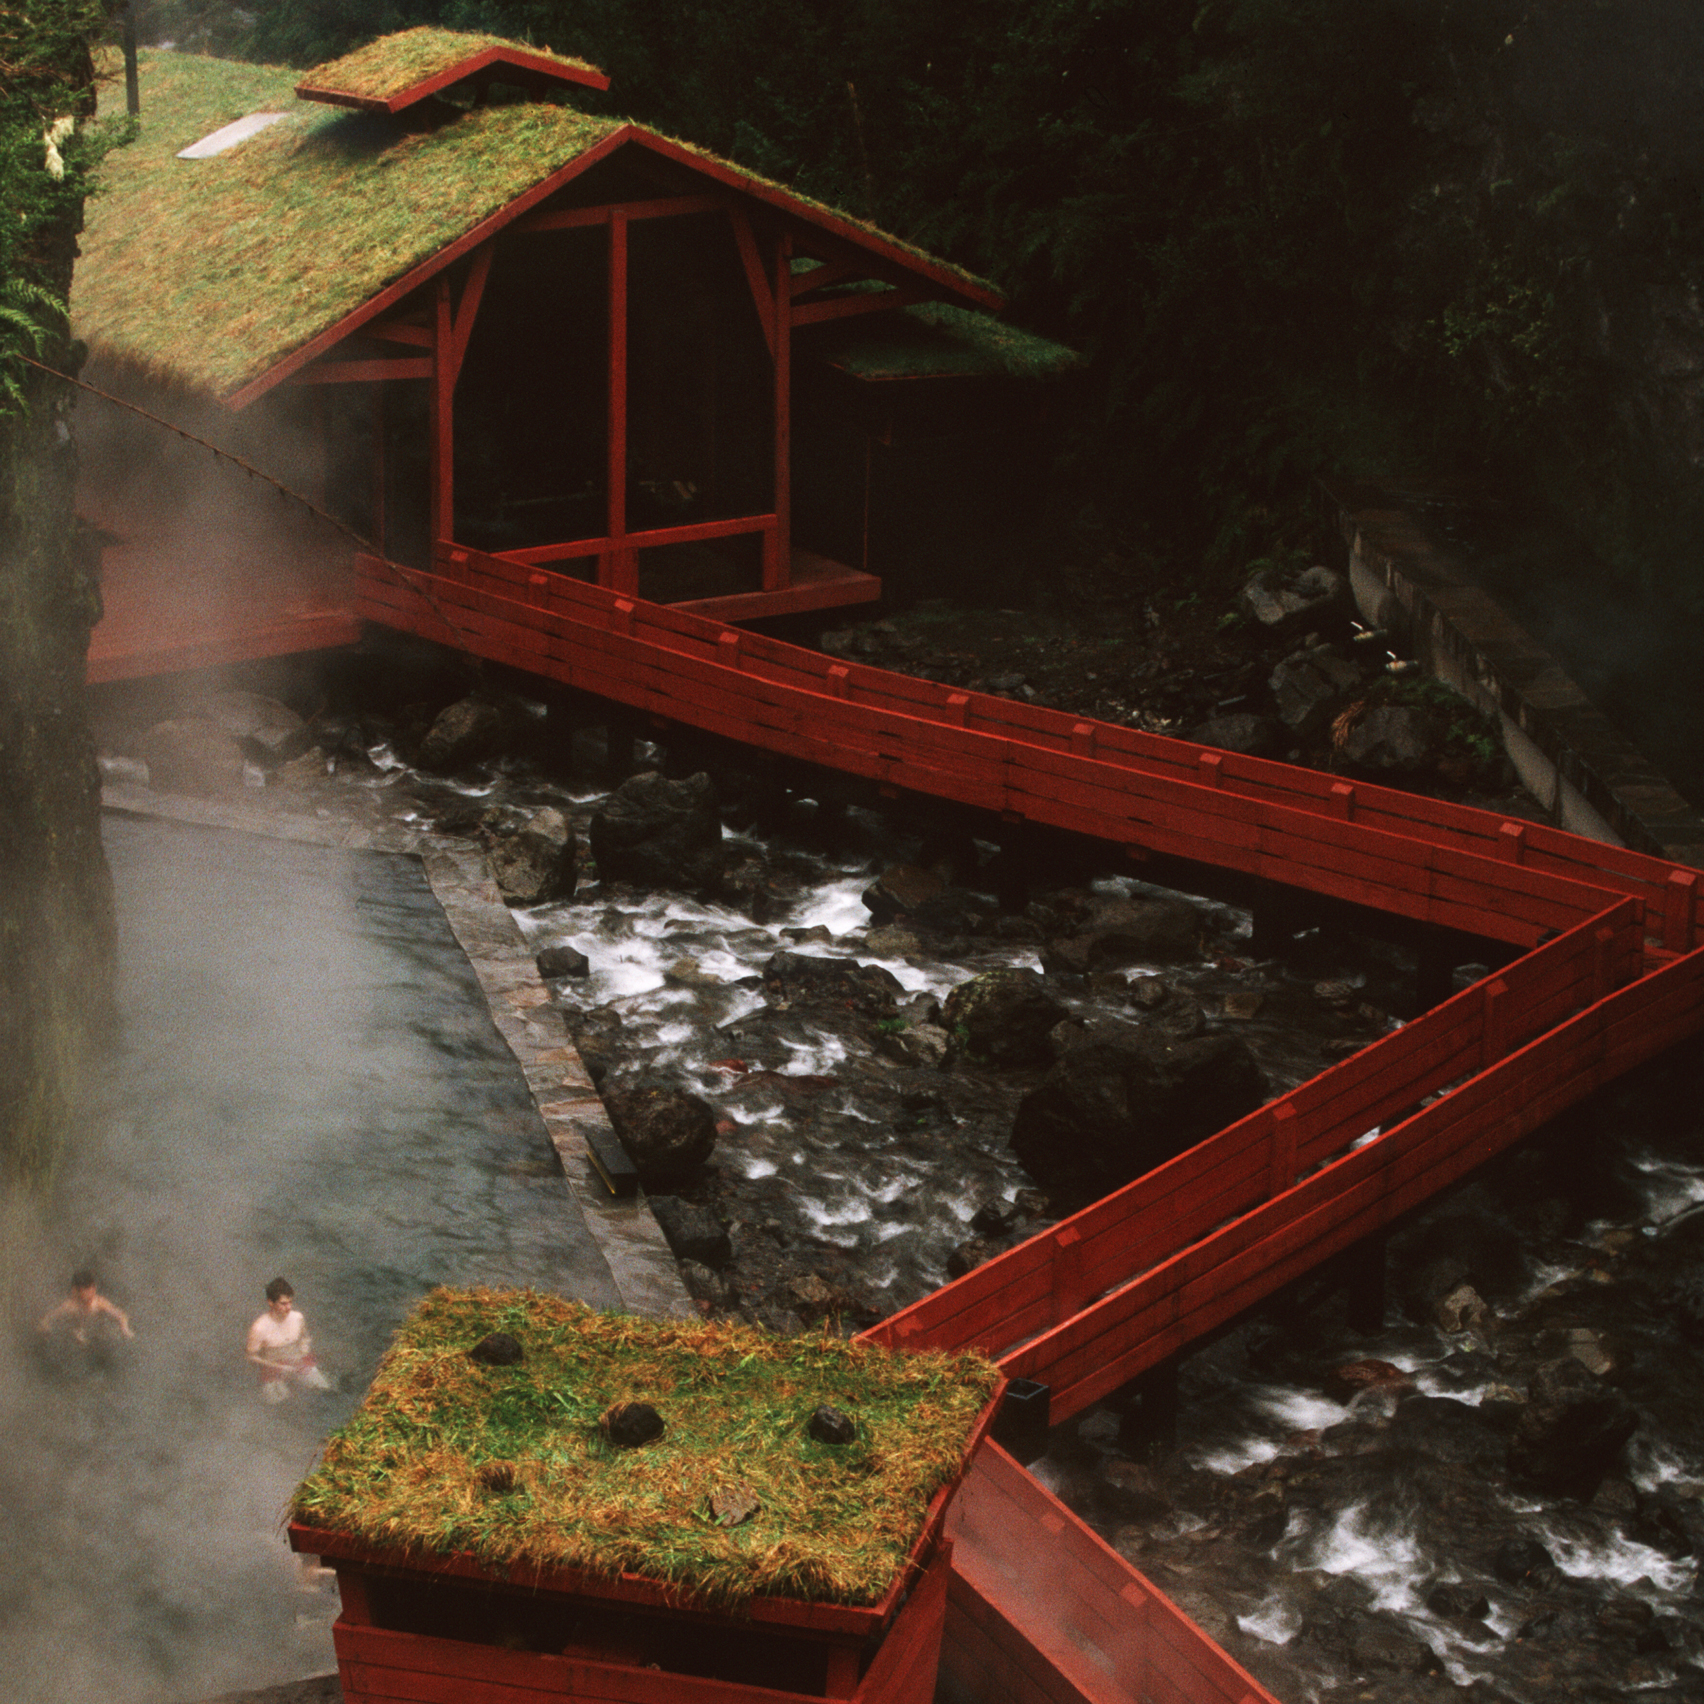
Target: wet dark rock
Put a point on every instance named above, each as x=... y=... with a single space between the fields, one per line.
x=1392 y=739
x=191 y=754
x=1112 y=1109
x=657 y=833
x=994 y=1218
x=969 y=1255
x=845 y=982
x=627 y=1425
x=829 y=1425
x=900 y=889
x=1624 y=1617
x=1557 y=1624
x=705 y=1285
x=1523 y=1562
x=536 y=864
x=498 y=1349
x=269 y=732
x=1308 y=684
x=1251 y=735
x=926 y=1046
x=1003 y=1017
x=562 y=961
x=668 y=1132
x=1572 y=1430
x=1346 y=1381
x=813 y=1297
x=888 y=940
x=1456 y=1600
x=1127 y=931
x=461 y=735
x=1375 y=1640
x=692 y=1232
x=1286 y=603
x=1446 y=1430
x=1130 y=1490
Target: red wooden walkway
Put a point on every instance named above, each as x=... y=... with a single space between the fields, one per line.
x=1610 y=976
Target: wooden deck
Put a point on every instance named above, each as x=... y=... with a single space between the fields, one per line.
x=193 y=596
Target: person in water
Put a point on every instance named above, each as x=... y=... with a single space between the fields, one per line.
x=278 y=1343
x=83 y=1314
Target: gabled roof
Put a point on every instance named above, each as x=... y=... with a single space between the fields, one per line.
x=397 y=71
x=218 y=274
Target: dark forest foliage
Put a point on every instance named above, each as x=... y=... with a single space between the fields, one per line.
x=1292 y=235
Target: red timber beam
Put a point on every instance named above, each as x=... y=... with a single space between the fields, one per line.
x=778 y=544
x=452 y=326
x=618 y=566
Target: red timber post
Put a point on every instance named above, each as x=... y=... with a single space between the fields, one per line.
x=619 y=568
x=452 y=326
x=778 y=554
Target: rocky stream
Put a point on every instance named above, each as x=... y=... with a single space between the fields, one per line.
x=855 y=1051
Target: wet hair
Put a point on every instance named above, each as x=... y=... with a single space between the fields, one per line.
x=82 y=1279
x=279 y=1288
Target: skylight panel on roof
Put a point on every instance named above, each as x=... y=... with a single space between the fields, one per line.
x=228 y=136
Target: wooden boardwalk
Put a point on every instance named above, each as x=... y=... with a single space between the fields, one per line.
x=1039 y=1610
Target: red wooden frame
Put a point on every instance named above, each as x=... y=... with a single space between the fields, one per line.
x=536 y=66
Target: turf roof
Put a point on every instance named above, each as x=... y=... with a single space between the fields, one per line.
x=937 y=340
x=385 y=71
x=507 y=1464
x=209 y=273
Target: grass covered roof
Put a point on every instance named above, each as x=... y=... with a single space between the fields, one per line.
x=209 y=273
x=395 y=66
x=507 y=1464
x=938 y=340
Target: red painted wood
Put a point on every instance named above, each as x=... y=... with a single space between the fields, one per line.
x=578 y=218
x=1073 y=1618
x=571 y=549
x=614 y=565
x=757 y=279
x=861 y=302
x=778 y=546
x=376 y=371
x=429 y=269
x=467 y=310
x=443 y=458
x=474 y=63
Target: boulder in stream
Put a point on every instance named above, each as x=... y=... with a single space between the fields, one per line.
x=536 y=864
x=1572 y=1429
x=463 y=734
x=1004 y=1017
x=667 y=1132
x=191 y=754
x=1122 y=932
x=657 y=833
x=1124 y=1101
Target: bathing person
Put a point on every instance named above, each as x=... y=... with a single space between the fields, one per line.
x=278 y=1343
x=84 y=1312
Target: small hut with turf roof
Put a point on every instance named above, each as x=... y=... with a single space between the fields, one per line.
x=537 y=1500
x=430 y=288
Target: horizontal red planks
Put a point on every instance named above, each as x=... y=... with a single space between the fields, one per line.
x=1068 y=1616
x=749 y=688
x=1028 y=1289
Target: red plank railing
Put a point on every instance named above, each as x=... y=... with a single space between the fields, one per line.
x=1041 y=1612
x=1041 y=1609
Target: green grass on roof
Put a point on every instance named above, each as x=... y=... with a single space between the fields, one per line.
x=507 y=1464
x=208 y=272
x=386 y=67
x=938 y=340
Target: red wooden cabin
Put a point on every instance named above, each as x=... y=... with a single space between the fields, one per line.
x=430 y=291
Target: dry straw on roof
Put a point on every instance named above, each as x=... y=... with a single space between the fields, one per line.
x=393 y=63
x=507 y=1464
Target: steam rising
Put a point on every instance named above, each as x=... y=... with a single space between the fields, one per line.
x=311 y=1085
